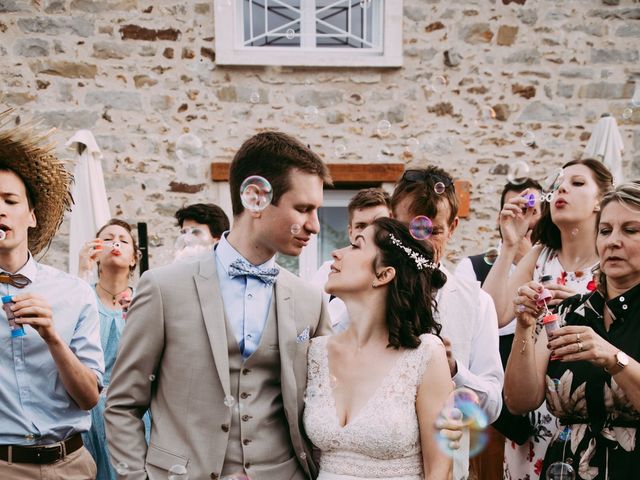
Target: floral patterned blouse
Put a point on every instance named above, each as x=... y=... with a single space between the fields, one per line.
x=524 y=462
x=598 y=432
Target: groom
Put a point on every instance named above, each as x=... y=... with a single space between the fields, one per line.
x=216 y=349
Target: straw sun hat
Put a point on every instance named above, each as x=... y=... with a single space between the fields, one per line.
x=31 y=156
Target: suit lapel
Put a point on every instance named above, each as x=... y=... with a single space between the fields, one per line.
x=213 y=313
x=285 y=315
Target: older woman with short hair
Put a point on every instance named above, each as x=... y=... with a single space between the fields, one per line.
x=588 y=369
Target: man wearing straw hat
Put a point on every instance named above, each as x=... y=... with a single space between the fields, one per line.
x=51 y=362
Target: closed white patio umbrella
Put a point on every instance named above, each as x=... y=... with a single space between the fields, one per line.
x=91 y=207
x=606 y=144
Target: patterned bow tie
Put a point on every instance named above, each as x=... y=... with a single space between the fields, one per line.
x=16 y=279
x=242 y=267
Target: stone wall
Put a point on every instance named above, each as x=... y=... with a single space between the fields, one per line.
x=140 y=74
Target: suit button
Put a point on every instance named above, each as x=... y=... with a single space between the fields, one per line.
x=246 y=418
x=246 y=371
x=244 y=395
x=224 y=427
x=213 y=475
x=246 y=441
x=247 y=465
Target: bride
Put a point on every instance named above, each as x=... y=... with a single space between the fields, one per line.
x=374 y=391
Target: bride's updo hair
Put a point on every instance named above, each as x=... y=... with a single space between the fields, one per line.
x=411 y=296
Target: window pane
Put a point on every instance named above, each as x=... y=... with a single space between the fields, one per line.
x=280 y=28
x=333 y=231
x=346 y=24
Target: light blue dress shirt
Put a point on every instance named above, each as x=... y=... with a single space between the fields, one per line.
x=246 y=299
x=36 y=408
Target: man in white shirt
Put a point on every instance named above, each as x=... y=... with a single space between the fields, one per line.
x=467 y=314
x=365 y=206
x=489 y=464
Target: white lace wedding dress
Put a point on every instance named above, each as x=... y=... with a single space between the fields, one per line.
x=383 y=439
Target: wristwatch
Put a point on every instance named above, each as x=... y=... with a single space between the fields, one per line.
x=622 y=360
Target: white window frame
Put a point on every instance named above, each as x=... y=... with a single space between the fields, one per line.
x=231 y=51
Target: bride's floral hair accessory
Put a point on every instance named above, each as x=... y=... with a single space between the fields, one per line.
x=421 y=262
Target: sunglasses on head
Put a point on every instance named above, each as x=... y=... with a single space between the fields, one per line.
x=421 y=176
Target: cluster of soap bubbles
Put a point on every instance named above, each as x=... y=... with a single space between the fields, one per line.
x=627 y=113
x=189 y=147
x=421 y=227
x=560 y=471
x=463 y=407
x=256 y=193
x=384 y=128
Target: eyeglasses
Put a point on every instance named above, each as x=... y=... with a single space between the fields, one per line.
x=421 y=176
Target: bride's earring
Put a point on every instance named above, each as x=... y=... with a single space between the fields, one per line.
x=373 y=285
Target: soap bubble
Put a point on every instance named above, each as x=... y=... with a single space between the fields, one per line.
x=463 y=405
x=627 y=113
x=411 y=145
x=575 y=232
x=303 y=456
x=3 y=234
x=518 y=173
x=438 y=84
x=491 y=256
x=256 y=193
x=547 y=197
x=553 y=181
x=439 y=188
x=229 y=401
x=178 y=472
x=560 y=471
x=254 y=97
x=152 y=377
x=384 y=128
x=528 y=139
x=421 y=227
x=333 y=381
x=340 y=150
x=188 y=147
x=291 y=33
x=122 y=468
x=295 y=229
x=311 y=114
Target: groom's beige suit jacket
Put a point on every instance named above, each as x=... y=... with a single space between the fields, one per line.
x=174 y=359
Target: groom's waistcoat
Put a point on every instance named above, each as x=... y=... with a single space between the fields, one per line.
x=259 y=440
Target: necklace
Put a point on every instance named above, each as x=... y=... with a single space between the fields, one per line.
x=113 y=295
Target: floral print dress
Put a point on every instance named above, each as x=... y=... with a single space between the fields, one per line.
x=524 y=462
x=598 y=432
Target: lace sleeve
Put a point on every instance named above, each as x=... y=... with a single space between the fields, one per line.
x=314 y=359
x=429 y=343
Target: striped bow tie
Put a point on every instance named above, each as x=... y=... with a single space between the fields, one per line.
x=242 y=267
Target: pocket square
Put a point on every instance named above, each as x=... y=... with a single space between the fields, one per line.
x=303 y=337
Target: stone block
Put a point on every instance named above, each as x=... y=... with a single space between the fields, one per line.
x=395 y=114
x=625 y=13
x=525 y=91
x=613 y=91
x=613 y=55
x=538 y=111
x=237 y=94
x=319 y=98
x=181 y=187
x=70 y=119
x=148 y=51
x=528 y=17
x=208 y=53
x=529 y=56
x=476 y=33
x=14 y=6
x=62 y=68
x=168 y=53
x=31 y=47
x=161 y=102
x=103 y=6
x=55 y=6
x=111 y=143
x=629 y=29
x=53 y=25
x=452 y=58
x=135 y=32
x=202 y=8
x=565 y=90
x=577 y=72
x=636 y=141
x=144 y=81
x=506 y=35
x=432 y=27
x=118 y=100
x=109 y=50
x=17 y=99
